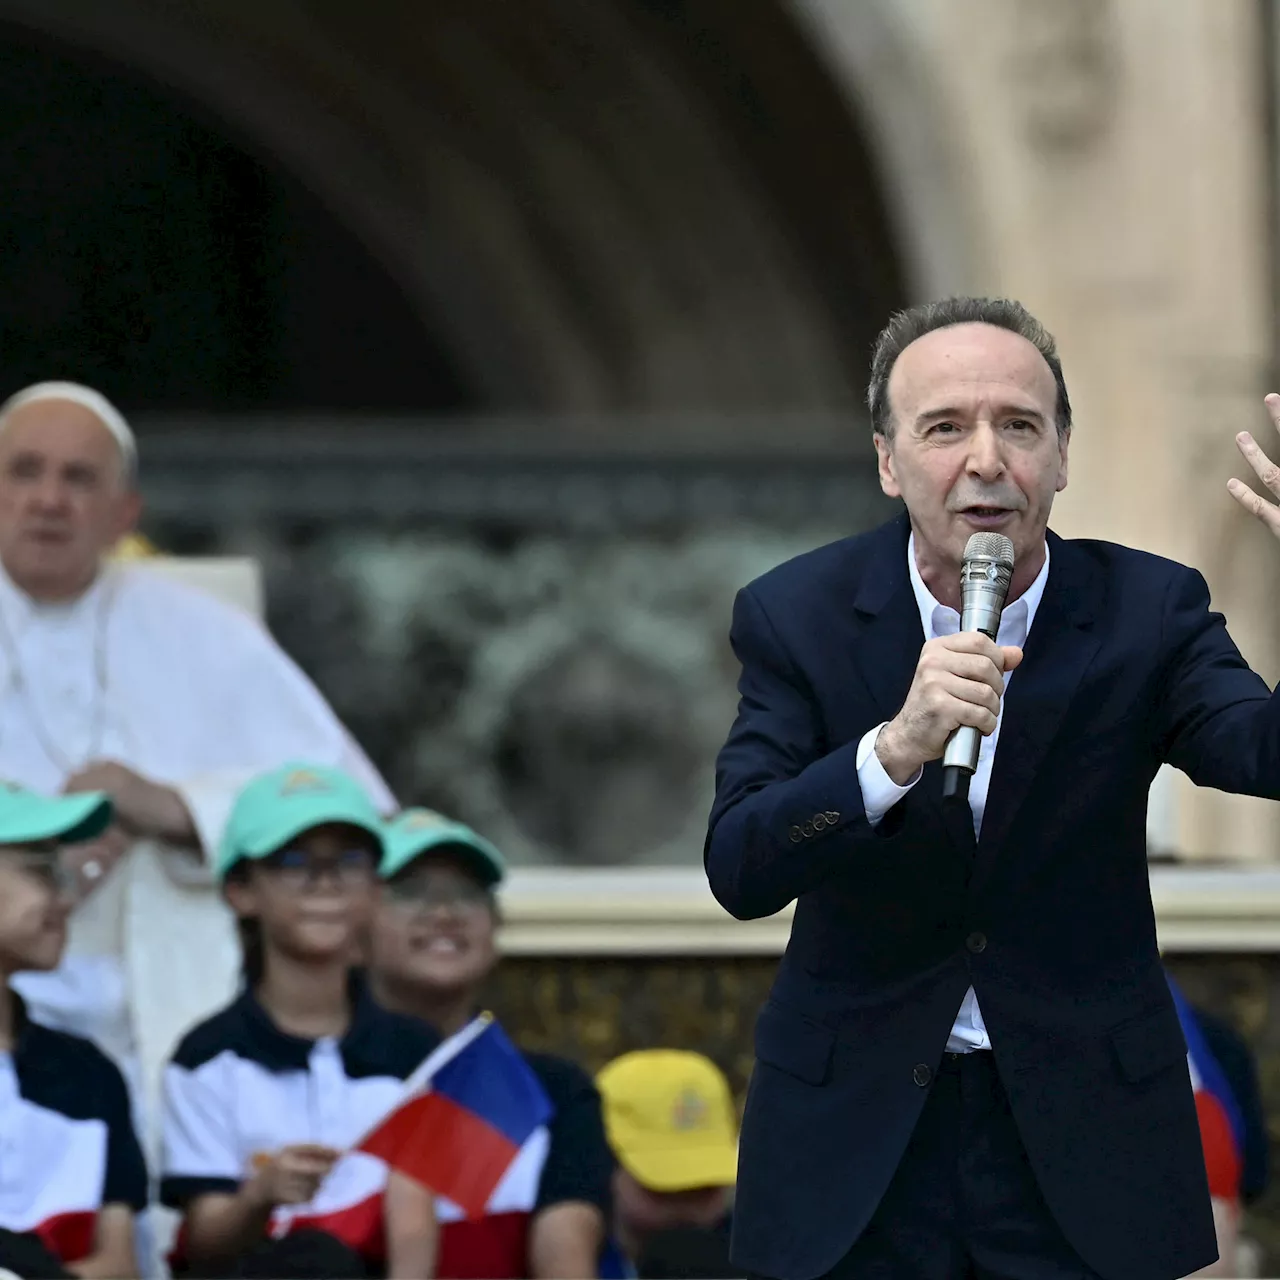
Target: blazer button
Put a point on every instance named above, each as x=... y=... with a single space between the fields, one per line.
x=921 y=1074
x=819 y=822
x=807 y=829
x=976 y=942
x=795 y=835
x=831 y=817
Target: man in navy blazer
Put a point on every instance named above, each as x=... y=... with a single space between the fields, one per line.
x=970 y=1063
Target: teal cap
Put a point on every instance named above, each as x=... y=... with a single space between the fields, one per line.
x=414 y=832
x=28 y=818
x=277 y=806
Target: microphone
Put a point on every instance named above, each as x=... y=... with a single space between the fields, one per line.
x=984 y=583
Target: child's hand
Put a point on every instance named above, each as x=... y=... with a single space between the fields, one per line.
x=291 y=1175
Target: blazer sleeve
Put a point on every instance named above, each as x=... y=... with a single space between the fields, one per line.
x=1221 y=724
x=788 y=811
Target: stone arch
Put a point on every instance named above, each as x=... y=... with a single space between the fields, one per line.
x=613 y=205
x=873 y=58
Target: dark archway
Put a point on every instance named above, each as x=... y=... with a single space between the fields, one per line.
x=145 y=251
x=635 y=204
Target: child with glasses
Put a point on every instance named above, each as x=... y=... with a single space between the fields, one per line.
x=72 y=1176
x=264 y=1100
x=433 y=948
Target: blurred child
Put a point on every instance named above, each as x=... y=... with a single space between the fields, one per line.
x=264 y=1100
x=433 y=947
x=673 y=1127
x=72 y=1176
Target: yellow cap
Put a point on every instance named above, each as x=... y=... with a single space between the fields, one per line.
x=670 y=1119
x=133 y=546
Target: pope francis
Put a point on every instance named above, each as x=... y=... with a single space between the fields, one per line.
x=116 y=678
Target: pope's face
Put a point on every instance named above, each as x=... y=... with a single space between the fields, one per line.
x=975 y=446
x=64 y=498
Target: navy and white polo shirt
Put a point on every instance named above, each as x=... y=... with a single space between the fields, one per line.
x=67 y=1143
x=238 y=1087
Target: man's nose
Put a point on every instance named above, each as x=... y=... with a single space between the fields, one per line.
x=49 y=493
x=986 y=459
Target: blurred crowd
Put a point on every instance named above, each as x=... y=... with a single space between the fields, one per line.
x=200 y=870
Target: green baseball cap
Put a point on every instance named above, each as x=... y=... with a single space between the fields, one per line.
x=277 y=806
x=414 y=832
x=28 y=818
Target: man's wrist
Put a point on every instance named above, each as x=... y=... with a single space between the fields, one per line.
x=167 y=817
x=899 y=767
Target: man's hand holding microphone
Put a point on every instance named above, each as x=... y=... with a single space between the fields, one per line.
x=954 y=699
x=959 y=681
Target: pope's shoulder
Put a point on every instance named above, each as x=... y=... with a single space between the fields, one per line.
x=165 y=600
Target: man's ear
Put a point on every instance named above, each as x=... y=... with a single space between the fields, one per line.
x=128 y=514
x=885 y=467
x=1064 y=441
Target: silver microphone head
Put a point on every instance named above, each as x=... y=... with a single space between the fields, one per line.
x=989 y=546
x=984 y=581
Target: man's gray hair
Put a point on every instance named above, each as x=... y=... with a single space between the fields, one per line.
x=906 y=326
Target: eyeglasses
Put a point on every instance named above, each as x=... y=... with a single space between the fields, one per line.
x=419 y=894
x=48 y=868
x=297 y=869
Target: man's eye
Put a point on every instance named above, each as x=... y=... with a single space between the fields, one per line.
x=944 y=428
x=1021 y=424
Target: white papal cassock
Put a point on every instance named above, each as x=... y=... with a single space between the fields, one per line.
x=191 y=693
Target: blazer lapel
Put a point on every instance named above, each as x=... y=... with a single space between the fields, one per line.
x=1062 y=644
x=889 y=636
x=889 y=639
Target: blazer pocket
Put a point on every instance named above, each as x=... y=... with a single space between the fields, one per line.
x=1149 y=1044
x=793 y=1044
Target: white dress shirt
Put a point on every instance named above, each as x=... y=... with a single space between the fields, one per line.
x=879 y=791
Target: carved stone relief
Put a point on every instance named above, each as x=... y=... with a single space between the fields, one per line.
x=566 y=696
x=535 y=641
x=1065 y=70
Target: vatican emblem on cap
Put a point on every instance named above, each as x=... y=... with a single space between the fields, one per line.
x=302 y=780
x=423 y=820
x=690 y=1111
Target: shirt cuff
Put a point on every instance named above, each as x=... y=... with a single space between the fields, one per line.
x=879 y=791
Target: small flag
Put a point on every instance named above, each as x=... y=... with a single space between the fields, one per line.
x=1221 y=1125
x=463 y=1117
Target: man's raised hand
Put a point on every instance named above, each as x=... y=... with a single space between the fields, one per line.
x=1264 y=469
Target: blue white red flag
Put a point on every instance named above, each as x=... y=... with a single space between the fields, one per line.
x=463 y=1118
x=1221 y=1124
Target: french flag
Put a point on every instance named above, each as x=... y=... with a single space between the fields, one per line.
x=1221 y=1124
x=463 y=1117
